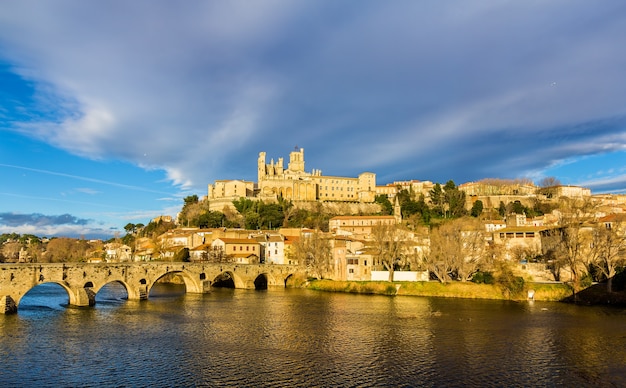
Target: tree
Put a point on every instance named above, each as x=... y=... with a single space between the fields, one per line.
x=566 y=244
x=457 y=250
x=65 y=250
x=211 y=219
x=548 y=185
x=385 y=204
x=437 y=198
x=454 y=199
x=313 y=250
x=271 y=215
x=389 y=246
x=477 y=208
x=11 y=251
x=130 y=228
x=502 y=209
x=608 y=250
x=244 y=204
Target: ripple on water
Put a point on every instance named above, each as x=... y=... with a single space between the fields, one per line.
x=300 y=338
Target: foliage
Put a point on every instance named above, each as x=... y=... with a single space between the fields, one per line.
x=315 y=219
x=154 y=229
x=66 y=250
x=385 y=204
x=477 y=208
x=512 y=286
x=483 y=278
x=502 y=209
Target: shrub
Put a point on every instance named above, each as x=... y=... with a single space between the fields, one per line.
x=483 y=278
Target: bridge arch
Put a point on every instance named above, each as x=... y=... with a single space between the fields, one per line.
x=126 y=286
x=260 y=282
x=76 y=296
x=191 y=285
x=222 y=278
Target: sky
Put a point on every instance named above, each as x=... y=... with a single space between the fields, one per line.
x=113 y=112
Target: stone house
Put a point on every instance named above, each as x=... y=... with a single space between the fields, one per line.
x=238 y=250
x=358 y=226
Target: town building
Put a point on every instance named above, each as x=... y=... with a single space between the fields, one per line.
x=415 y=187
x=358 y=226
x=238 y=250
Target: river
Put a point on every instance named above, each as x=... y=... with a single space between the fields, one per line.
x=302 y=338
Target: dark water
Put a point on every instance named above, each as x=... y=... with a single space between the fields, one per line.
x=299 y=338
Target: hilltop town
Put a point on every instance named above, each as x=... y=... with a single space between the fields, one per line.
x=350 y=228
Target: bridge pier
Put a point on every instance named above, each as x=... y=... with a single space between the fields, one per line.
x=7 y=305
x=83 y=297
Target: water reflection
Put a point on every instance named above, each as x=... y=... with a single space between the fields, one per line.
x=302 y=338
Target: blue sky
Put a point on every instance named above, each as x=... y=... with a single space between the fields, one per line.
x=112 y=112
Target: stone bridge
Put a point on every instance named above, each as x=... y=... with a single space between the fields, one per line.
x=82 y=281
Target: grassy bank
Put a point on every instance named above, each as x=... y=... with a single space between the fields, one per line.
x=542 y=292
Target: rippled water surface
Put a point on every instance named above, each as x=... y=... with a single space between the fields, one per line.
x=299 y=338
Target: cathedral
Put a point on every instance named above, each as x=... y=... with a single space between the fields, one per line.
x=293 y=183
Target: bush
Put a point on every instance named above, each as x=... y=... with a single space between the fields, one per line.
x=483 y=278
x=586 y=281
x=512 y=286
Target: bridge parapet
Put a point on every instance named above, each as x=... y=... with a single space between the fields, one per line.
x=82 y=281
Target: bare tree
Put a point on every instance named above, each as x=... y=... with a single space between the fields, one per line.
x=457 y=250
x=314 y=251
x=389 y=247
x=548 y=185
x=568 y=243
x=66 y=250
x=11 y=251
x=608 y=250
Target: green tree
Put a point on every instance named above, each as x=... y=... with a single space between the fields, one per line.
x=243 y=205
x=251 y=220
x=130 y=228
x=437 y=198
x=477 y=208
x=502 y=209
x=211 y=219
x=271 y=215
x=385 y=204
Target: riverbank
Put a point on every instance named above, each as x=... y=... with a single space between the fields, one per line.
x=541 y=291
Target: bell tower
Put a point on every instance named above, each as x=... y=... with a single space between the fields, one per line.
x=296 y=160
x=261 y=170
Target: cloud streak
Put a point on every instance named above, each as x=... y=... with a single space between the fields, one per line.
x=40 y=220
x=82 y=178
